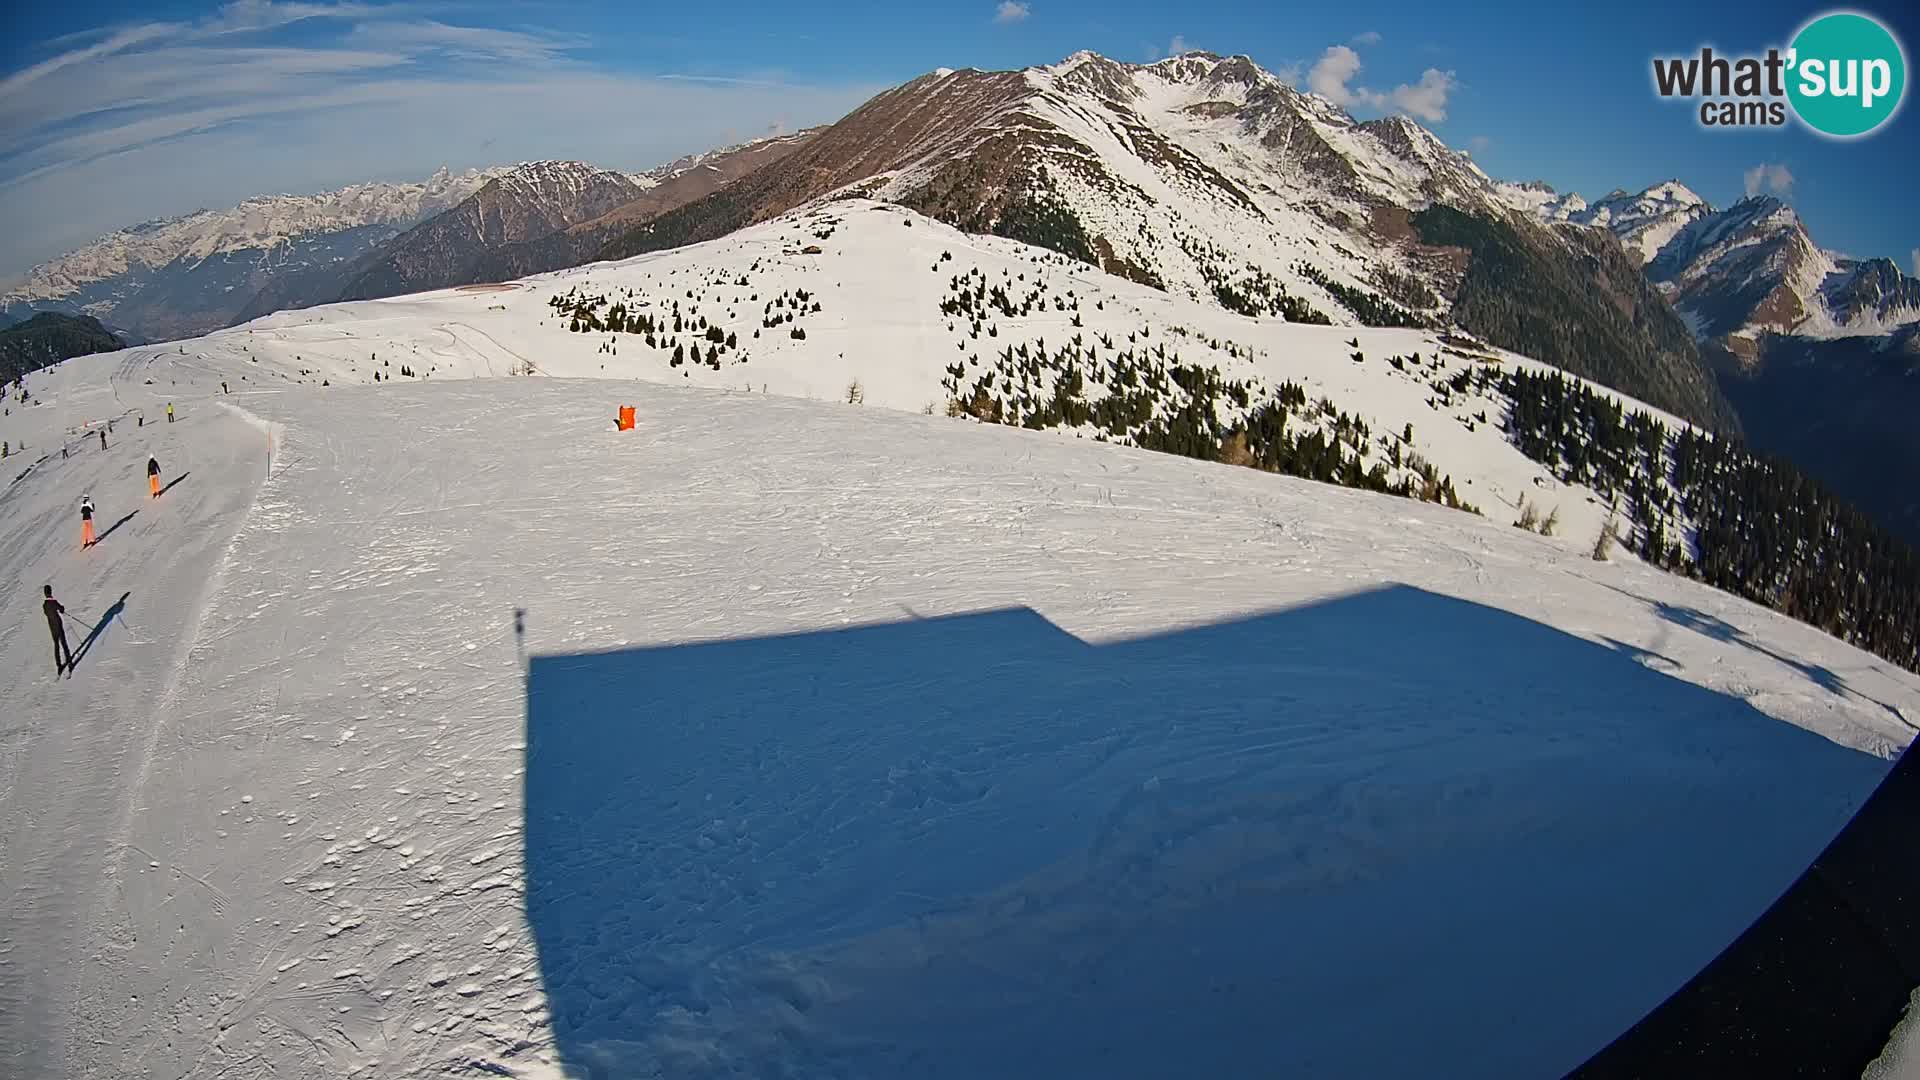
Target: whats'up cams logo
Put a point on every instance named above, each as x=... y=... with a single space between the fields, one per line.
x=1844 y=75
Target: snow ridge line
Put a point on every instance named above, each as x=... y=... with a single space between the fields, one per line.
x=121 y=841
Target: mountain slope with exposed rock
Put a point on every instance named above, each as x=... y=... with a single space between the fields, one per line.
x=532 y=200
x=1209 y=177
x=533 y=226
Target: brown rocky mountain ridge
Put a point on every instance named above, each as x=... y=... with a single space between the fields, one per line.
x=538 y=217
x=1208 y=176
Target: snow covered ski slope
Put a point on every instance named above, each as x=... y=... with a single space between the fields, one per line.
x=851 y=291
x=787 y=737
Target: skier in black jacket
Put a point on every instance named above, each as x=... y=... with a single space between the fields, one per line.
x=86 y=522
x=62 y=654
x=153 y=476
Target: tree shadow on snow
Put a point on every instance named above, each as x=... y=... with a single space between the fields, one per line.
x=1718 y=629
x=1392 y=833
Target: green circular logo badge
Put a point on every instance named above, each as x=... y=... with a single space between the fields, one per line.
x=1848 y=74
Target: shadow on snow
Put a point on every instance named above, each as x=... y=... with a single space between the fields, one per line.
x=94 y=631
x=1712 y=626
x=115 y=527
x=1392 y=833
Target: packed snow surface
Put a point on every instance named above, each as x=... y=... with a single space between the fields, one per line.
x=435 y=727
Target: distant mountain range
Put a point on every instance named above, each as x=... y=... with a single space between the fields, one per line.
x=187 y=275
x=1818 y=352
x=190 y=274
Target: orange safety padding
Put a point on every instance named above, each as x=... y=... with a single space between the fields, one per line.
x=626 y=418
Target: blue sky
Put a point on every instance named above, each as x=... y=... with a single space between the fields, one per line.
x=118 y=112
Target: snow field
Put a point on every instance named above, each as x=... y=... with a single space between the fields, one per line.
x=394 y=838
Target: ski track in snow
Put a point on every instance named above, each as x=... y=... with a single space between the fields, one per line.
x=70 y=750
x=848 y=742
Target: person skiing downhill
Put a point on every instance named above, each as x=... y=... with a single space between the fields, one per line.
x=169 y=412
x=103 y=438
x=86 y=522
x=62 y=653
x=153 y=477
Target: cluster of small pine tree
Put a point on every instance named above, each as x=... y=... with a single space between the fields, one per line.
x=1760 y=528
x=662 y=331
x=1371 y=310
x=1150 y=398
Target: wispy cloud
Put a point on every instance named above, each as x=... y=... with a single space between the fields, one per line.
x=1011 y=11
x=726 y=80
x=1916 y=262
x=1176 y=47
x=467 y=42
x=1368 y=37
x=1479 y=144
x=1333 y=74
x=130 y=123
x=1771 y=178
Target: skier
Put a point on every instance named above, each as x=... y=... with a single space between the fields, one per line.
x=103 y=438
x=169 y=412
x=62 y=654
x=223 y=387
x=153 y=476
x=86 y=522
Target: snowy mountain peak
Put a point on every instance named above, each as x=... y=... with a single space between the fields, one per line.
x=1083 y=56
x=1736 y=273
x=1644 y=221
x=563 y=179
x=1752 y=269
x=1765 y=210
x=1674 y=191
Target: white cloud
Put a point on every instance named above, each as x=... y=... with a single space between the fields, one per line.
x=162 y=118
x=1336 y=69
x=116 y=42
x=1011 y=11
x=1332 y=72
x=1773 y=179
x=1177 y=47
x=1916 y=262
x=468 y=42
x=1290 y=72
x=1426 y=99
x=1479 y=144
x=1370 y=37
